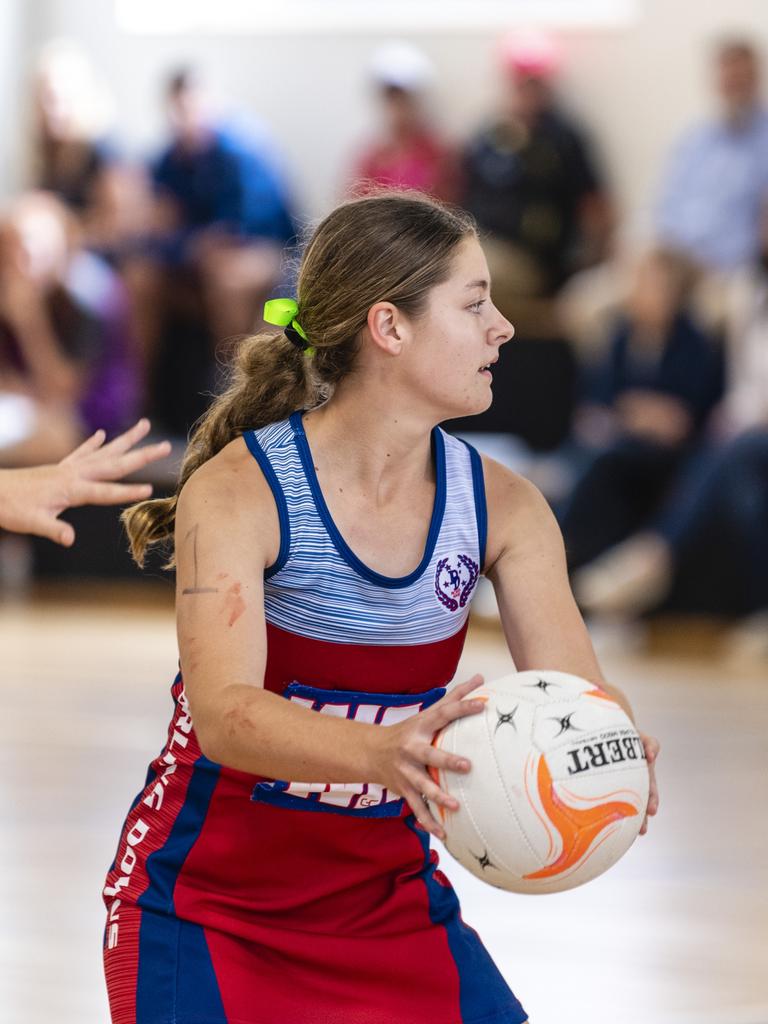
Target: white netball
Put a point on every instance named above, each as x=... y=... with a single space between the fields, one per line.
x=558 y=787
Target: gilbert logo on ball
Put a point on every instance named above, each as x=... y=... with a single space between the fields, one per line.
x=558 y=787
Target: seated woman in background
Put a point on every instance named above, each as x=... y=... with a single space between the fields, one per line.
x=653 y=390
x=721 y=496
x=71 y=113
x=74 y=157
x=65 y=348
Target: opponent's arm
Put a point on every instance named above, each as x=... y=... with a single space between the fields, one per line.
x=227 y=532
x=526 y=563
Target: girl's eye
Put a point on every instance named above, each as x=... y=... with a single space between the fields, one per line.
x=475 y=307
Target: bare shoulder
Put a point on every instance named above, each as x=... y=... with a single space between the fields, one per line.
x=231 y=479
x=503 y=485
x=231 y=492
x=519 y=516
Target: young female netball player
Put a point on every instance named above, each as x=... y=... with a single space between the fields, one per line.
x=328 y=538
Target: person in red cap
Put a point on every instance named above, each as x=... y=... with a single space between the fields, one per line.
x=532 y=183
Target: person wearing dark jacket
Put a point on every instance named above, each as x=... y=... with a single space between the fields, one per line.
x=659 y=379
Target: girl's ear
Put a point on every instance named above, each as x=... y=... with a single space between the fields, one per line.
x=387 y=327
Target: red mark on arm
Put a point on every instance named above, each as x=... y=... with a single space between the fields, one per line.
x=235 y=603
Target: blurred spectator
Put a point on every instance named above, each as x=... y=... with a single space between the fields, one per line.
x=651 y=393
x=407 y=153
x=65 y=348
x=720 y=503
x=220 y=221
x=533 y=185
x=73 y=156
x=715 y=187
x=71 y=118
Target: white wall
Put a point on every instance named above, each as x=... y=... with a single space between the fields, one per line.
x=13 y=43
x=634 y=87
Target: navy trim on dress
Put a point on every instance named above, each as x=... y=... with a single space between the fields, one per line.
x=438 y=510
x=320 y=695
x=282 y=505
x=481 y=506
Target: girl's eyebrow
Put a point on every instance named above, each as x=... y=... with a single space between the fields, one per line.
x=478 y=284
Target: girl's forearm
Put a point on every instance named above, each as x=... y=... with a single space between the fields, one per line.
x=259 y=732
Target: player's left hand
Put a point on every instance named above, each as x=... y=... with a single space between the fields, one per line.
x=652 y=747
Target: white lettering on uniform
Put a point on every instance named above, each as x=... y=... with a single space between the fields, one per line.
x=353 y=794
x=182 y=727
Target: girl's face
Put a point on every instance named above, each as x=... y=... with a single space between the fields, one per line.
x=457 y=340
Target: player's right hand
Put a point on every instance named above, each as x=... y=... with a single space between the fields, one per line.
x=404 y=754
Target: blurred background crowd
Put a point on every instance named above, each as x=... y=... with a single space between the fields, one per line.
x=636 y=391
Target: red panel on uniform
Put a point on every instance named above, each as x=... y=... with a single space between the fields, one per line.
x=376 y=668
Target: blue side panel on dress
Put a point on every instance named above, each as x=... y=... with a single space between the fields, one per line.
x=156 y=980
x=176 y=979
x=163 y=865
x=483 y=993
x=198 y=996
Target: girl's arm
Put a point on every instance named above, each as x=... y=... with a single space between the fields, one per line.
x=227 y=533
x=526 y=563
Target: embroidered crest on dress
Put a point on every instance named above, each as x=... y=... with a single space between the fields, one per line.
x=455 y=579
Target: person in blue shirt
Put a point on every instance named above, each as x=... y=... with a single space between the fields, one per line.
x=715 y=187
x=214 y=176
x=220 y=222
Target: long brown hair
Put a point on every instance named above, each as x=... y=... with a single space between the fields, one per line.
x=391 y=247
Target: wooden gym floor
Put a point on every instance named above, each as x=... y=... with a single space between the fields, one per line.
x=676 y=933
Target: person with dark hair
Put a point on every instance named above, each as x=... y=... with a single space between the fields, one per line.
x=407 y=152
x=320 y=517
x=221 y=220
x=532 y=182
x=714 y=191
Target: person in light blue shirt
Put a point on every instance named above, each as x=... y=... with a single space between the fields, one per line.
x=714 y=193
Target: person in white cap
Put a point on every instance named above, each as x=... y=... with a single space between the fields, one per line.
x=407 y=153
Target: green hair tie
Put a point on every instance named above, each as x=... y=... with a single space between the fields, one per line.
x=283 y=313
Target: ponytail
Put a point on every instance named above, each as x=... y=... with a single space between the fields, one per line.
x=269 y=379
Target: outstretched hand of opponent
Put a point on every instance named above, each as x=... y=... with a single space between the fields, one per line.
x=32 y=499
x=406 y=753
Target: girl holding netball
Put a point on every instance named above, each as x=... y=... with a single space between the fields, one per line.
x=328 y=539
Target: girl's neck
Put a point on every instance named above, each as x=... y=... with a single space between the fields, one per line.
x=369 y=441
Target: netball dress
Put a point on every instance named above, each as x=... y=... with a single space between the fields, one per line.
x=236 y=899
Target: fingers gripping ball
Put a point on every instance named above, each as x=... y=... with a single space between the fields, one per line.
x=558 y=787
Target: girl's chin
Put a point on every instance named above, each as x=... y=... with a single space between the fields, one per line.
x=477 y=405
